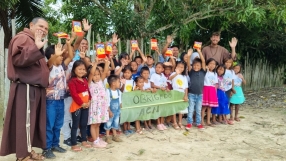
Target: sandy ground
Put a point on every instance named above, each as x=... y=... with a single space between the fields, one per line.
x=261 y=135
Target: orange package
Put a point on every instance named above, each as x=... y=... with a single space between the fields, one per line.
x=108 y=48
x=169 y=52
x=84 y=96
x=61 y=35
x=154 y=44
x=134 y=44
x=76 y=25
x=100 y=51
x=198 y=45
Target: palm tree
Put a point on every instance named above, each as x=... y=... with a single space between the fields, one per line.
x=21 y=10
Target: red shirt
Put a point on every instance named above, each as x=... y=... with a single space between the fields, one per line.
x=76 y=87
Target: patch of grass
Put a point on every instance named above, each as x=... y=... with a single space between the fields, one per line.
x=141 y=151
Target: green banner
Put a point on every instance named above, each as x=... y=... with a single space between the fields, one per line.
x=138 y=105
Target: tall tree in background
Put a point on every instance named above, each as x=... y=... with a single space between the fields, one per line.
x=21 y=10
x=260 y=25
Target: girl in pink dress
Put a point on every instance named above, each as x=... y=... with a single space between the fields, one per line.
x=98 y=111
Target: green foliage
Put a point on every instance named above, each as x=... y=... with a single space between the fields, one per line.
x=260 y=25
x=22 y=11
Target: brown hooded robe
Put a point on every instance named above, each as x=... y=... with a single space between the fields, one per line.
x=26 y=65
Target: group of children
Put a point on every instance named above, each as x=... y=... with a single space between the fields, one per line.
x=95 y=94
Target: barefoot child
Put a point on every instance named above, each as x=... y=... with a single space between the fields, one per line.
x=139 y=81
x=180 y=83
x=78 y=86
x=223 y=101
x=145 y=74
x=209 y=91
x=98 y=111
x=127 y=86
x=228 y=79
x=159 y=81
x=197 y=74
x=238 y=97
x=113 y=96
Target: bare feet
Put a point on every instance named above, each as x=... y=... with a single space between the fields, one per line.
x=236 y=119
x=76 y=148
x=86 y=144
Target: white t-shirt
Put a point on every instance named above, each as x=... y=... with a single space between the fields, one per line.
x=159 y=80
x=237 y=81
x=106 y=85
x=147 y=85
x=179 y=83
x=210 y=79
x=129 y=85
x=57 y=83
x=152 y=71
x=114 y=95
x=227 y=79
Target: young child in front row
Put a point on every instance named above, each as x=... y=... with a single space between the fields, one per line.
x=159 y=81
x=223 y=101
x=78 y=86
x=127 y=86
x=228 y=79
x=113 y=95
x=98 y=111
x=197 y=74
x=209 y=91
x=145 y=74
x=55 y=100
x=238 y=97
x=180 y=83
x=140 y=86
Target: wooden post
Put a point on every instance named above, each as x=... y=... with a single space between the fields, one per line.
x=93 y=55
x=2 y=73
x=128 y=46
x=7 y=82
x=13 y=22
x=119 y=48
x=46 y=44
x=88 y=40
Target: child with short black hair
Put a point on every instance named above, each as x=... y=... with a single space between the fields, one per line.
x=197 y=74
x=114 y=102
x=139 y=81
x=55 y=98
x=145 y=74
x=138 y=60
x=127 y=86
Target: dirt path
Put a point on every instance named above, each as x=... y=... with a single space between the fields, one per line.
x=261 y=135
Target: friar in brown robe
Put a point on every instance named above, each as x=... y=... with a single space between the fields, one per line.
x=25 y=121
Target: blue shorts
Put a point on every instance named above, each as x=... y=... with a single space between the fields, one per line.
x=113 y=122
